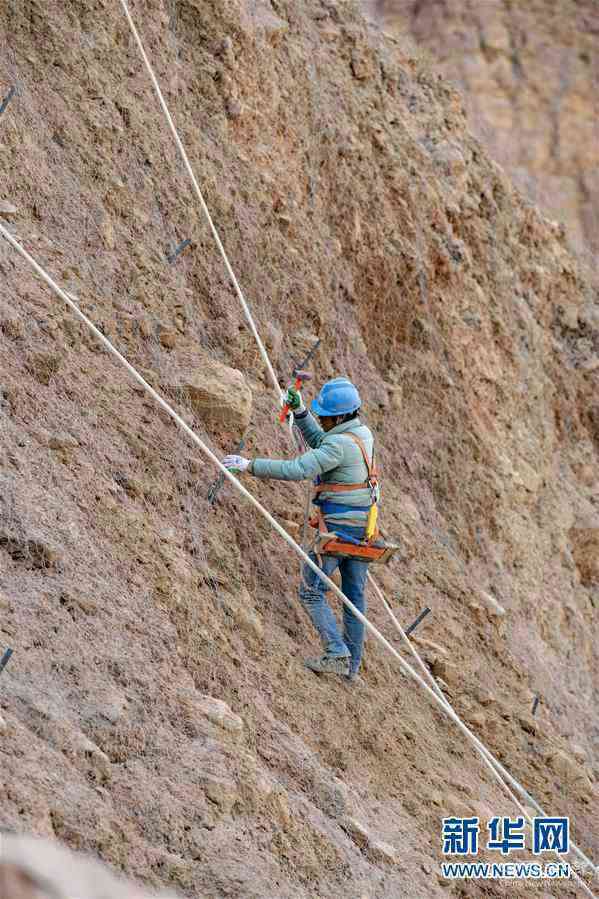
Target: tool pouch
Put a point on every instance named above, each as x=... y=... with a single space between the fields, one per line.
x=375 y=551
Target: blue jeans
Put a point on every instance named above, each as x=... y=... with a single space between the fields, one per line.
x=312 y=596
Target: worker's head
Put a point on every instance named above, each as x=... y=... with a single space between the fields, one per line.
x=331 y=421
x=337 y=401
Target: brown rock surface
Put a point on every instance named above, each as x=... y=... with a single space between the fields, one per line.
x=38 y=869
x=217 y=393
x=585 y=549
x=529 y=73
x=355 y=206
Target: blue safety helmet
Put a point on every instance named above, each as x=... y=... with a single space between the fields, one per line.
x=337 y=397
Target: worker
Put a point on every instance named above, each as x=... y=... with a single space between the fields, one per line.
x=341 y=456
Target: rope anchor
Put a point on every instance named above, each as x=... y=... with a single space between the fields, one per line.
x=178 y=250
x=5 y=659
x=417 y=621
x=217 y=484
x=7 y=99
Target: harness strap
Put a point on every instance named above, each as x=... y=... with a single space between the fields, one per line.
x=329 y=508
x=344 y=537
x=319 y=521
x=364 y=485
x=370 y=466
x=339 y=488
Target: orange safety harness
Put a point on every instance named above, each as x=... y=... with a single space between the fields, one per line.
x=371 y=549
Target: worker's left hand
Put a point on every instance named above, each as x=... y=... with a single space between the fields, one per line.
x=236 y=463
x=293 y=398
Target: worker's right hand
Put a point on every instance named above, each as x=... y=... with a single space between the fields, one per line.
x=294 y=400
x=236 y=464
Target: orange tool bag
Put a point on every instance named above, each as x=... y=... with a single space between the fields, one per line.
x=373 y=548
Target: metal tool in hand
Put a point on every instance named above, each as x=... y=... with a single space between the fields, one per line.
x=218 y=483
x=300 y=375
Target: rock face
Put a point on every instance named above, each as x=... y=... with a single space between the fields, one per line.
x=585 y=549
x=361 y=836
x=38 y=869
x=529 y=74
x=156 y=712
x=219 y=395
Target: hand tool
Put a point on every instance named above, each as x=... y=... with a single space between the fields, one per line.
x=300 y=375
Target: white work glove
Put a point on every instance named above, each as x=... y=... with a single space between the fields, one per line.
x=236 y=463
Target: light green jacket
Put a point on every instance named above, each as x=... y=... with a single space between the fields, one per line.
x=333 y=458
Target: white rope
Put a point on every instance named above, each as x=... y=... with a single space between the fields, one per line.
x=404 y=637
x=406 y=668
x=198 y=192
x=482 y=750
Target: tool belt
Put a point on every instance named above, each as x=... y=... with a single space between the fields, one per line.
x=328 y=543
x=332 y=544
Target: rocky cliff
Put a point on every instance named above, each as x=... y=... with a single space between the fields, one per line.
x=529 y=73
x=156 y=711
